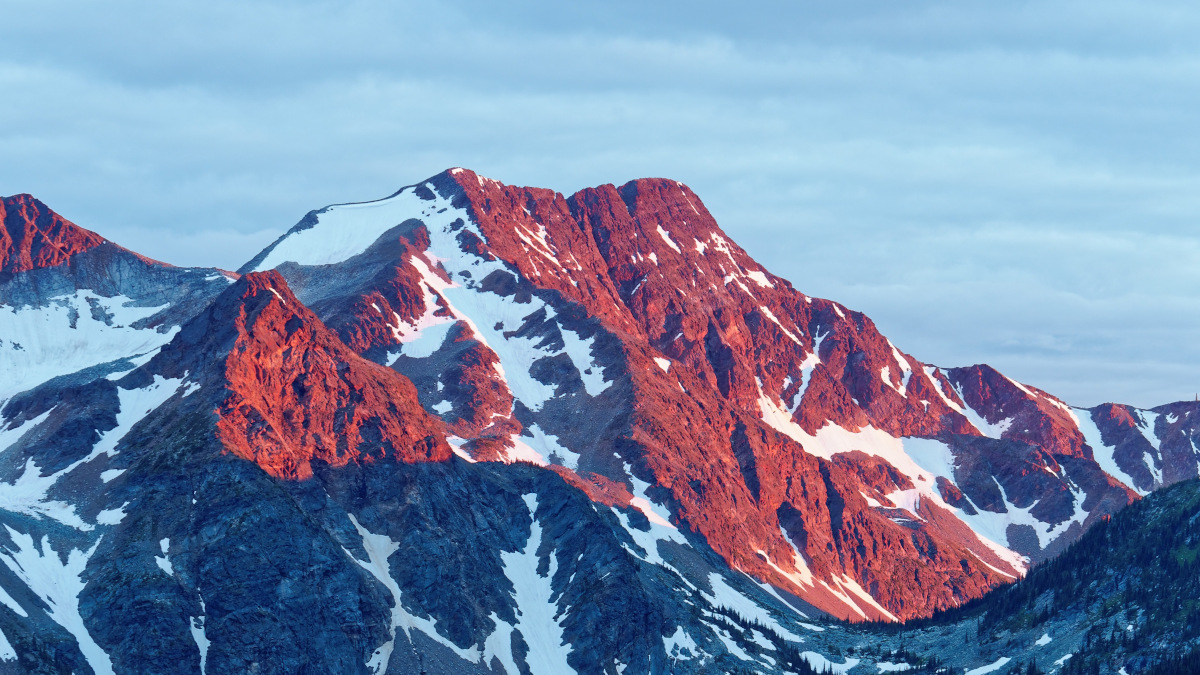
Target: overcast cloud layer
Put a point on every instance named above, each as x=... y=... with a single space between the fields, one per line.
x=1010 y=183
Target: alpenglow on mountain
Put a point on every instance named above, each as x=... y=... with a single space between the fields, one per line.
x=478 y=428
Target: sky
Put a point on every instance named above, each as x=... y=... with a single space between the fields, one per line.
x=1013 y=183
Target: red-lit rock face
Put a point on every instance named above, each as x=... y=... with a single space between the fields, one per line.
x=33 y=236
x=656 y=267
x=298 y=395
x=722 y=374
x=649 y=262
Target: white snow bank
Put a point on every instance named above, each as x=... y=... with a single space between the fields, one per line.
x=163 y=562
x=379 y=548
x=538 y=616
x=41 y=343
x=725 y=595
x=666 y=236
x=58 y=584
x=343 y=231
x=7 y=653
x=1103 y=454
x=680 y=645
x=820 y=663
x=990 y=668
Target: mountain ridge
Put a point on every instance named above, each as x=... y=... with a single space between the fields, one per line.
x=547 y=224
x=380 y=398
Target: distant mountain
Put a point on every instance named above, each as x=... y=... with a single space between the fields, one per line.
x=480 y=428
x=74 y=305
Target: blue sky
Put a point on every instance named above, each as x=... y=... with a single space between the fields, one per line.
x=1012 y=183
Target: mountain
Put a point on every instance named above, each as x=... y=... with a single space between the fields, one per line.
x=579 y=331
x=481 y=428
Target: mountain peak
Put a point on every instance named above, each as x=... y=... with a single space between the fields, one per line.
x=33 y=236
x=296 y=395
x=250 y=286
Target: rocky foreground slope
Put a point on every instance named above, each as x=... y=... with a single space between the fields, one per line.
x=481 y=428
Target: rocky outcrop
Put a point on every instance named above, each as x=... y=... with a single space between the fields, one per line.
x=296 y=394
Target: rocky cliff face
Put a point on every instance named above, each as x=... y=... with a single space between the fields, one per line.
x=478 y=291
x=476 y=426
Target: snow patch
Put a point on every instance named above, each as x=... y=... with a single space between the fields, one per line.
x=10 y=436
x=111 y=516
x=163 y=562
x=847 y=587
x=8 y=601
x=1103 y=454
x=908 y=500
x=725 y=595
x=990 y=668
x=580 y=351
x=666 y=236
x=665 y=364
x=801 y=575
x=538 y=617
x=807 y=366
x=196 y=626
x=379 y=548
x=58 y=585
x=770 y=315
x=547 y=446
x=759 y=278
x=7 y=653
x=520 y=451
x=730 y=645
x=680 y=645
x=820 y=663
x=343 y=231
x=906 y=371
x=922 y=461
x=456 y=444
x=655 y=512
x=661 y=528
x=72 y=332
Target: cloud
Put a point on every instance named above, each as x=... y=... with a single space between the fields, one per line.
x=1011 y=183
